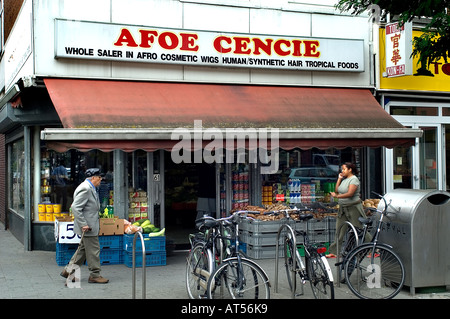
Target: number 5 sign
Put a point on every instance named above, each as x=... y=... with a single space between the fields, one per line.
x=64 y=233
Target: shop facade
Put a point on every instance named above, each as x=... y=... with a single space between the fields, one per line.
x=423 y=102
x=244 y=100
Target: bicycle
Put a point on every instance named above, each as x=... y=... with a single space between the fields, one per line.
x=373 y=270
x=315 y=269
x=237 y=277
x=207 y=250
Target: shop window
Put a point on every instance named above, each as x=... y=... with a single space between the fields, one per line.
x=61 y=173
x=17 y=173
x=414 y=110
x=304 y=176
x=137 y=186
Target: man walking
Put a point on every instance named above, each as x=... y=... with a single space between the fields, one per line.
x=85 y=208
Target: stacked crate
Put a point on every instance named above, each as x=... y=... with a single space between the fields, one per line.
x=155 y=250
x=110 y=251
x=260 y=237
x=320 y=231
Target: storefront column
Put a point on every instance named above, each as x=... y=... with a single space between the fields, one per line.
x=120 y=184
x=36 y=172
x=27 y=187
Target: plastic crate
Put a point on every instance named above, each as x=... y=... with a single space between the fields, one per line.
x=298 y=225
x=331 y=222
x=260 y=239
x=64 y=253
x=111 y=256
x=319 y=236
x=111 y=242
x=318 y=224
x=157 y=243
x=155 y=258
x=264 y=252
x=259 y=226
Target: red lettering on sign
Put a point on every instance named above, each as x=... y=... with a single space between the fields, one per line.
x=188 y=42
x=446 y=68
x=311 y=49
x=261 y=45
x=278 y=49
x=282 y=47
x=241 y=45
x=168 y=40
x=218 y=44
x=147 y=37
x=125 y=36
x=296 y=48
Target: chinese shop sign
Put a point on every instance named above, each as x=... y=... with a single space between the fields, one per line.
x=398 y=44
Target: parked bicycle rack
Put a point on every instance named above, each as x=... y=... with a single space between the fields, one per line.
x=134 y=266
x=294 y=266
x=338 y=233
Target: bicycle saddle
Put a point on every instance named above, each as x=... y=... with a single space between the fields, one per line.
x=365 y=221
x=206 y=222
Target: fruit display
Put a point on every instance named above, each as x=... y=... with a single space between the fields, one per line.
x=144 y=226
x=371 y=202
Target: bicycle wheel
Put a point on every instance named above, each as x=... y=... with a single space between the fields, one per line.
x=348 y=243
x=289 y=253
x=321 y=284
x=198 y=268
x=238 y=280
x=374 y=273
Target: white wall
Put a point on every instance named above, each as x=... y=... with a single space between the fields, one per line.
x=280 y=17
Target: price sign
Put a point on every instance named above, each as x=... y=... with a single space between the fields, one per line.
x=279 y=197
x=64 y=233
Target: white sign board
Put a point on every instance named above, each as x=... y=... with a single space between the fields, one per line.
x=398 y=49
x=64 y=233
x=126 y=43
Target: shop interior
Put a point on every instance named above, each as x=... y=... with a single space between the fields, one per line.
x=185 y=183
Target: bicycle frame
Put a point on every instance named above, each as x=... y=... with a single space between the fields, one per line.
x=235 y=254
x=297 y=259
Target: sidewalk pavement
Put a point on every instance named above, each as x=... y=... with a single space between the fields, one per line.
x=36 y=275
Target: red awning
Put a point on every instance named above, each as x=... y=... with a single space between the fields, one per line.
x=101 y=104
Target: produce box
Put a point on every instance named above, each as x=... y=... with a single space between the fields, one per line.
x=111 y=242
x=108 y=256
x=111 y=226
x=111 y=256
x=156 y=258
x=157 y=243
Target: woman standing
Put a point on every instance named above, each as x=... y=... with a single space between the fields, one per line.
x=347 y=191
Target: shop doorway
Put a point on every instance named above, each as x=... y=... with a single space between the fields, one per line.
x=184 y=184
x=418 y=167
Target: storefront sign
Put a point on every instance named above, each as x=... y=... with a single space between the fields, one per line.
x=398 y=49
x=438 y=82
x=115 y=42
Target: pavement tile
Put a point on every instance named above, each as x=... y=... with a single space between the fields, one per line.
x=35 y=274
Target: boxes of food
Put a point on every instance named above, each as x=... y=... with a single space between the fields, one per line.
x=111 y=226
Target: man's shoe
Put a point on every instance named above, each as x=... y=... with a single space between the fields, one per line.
x=98 y=280
x=66 y=274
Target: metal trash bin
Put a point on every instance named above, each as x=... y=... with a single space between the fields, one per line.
x=418 y=228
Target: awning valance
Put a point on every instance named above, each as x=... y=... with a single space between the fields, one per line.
x=142 y=115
